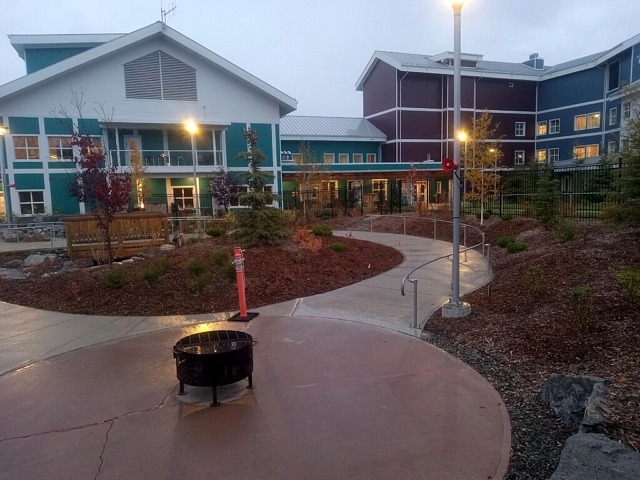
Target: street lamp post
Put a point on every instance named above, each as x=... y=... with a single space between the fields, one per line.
x=455 y=308
x=192 y=128
x=5 y=189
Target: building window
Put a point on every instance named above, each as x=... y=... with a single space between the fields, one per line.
x=329 y=158
x=521 y=128
x=371 y=158
x=26 y=148
x=297 y=158
x=614 y=75
x=343 y=158
x=234 y=200
x=542 y=128
x=611 y=147
x=519 y=158
x=580 y=122
x=285 y=156
x=331 y=188
x=31 y=203
x=582 y=152
x=554 y=126
x=541 y=156
x=60 y=148
x=626 y=110
x=379 y=188
x=183 y=198
x=593 y=151
x=613 y=116
x=593 y=120
x=357 y=158
x=554 y=155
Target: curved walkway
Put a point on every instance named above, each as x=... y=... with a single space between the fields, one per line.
x=333 y=399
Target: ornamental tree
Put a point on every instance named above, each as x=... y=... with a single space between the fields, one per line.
x=99 y=185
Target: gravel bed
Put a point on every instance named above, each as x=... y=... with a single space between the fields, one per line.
x=537 y=435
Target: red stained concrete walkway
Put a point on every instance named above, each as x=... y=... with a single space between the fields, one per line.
x=333 y=399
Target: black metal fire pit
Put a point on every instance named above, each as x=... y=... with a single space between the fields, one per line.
x=210 y=359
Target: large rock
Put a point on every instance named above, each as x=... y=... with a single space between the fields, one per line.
x=594 y=456
x=569 y=397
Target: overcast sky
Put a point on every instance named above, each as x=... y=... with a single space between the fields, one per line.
x=315 y=51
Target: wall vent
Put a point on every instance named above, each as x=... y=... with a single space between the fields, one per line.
x=159 y=76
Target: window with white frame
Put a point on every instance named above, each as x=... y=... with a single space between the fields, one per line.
x=343 y=158
x=611 y=147
x=593 y=120
x=60 y=148
x=183 y=197
x=580 y=122
x=554 y=126
x=329 y=158
x=613 y=116
x=554 y=155
x=521 y=128
x=579 y=152
x=541 y=156
x=235 y=190
x=519 y=157
x=542 y=128
x=31 y=203
x=26 y=147
x=379 y=188
x=357 y=158
x=371 y=158
x=297 y=158
x=330 y=187
x=626 y=110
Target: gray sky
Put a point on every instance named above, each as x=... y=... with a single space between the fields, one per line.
x=316 y=50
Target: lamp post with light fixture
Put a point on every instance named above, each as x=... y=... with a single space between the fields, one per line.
x=5 y=189
x=192 y=128
x=455 y=308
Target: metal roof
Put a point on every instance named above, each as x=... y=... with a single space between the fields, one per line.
x=327 y=128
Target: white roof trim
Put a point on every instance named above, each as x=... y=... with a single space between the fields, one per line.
x=287 y=103
x=19 y=42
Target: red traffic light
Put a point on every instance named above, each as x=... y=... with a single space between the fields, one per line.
x=449 y=165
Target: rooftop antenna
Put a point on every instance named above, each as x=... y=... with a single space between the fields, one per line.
x=164 y=13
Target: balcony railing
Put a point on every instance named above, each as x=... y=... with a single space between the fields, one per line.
x=169 y=158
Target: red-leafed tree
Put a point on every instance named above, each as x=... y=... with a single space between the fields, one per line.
x=99 y=185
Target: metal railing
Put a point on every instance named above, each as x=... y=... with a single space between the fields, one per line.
x=32 y=232
x=169 y=158
x=465 y=249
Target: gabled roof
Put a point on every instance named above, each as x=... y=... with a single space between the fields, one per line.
x=294 y=127
x=407 y=62
x=121 y=42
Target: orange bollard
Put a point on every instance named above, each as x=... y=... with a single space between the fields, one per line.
x=243 y=315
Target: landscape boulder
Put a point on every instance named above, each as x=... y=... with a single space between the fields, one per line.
x=591 y=455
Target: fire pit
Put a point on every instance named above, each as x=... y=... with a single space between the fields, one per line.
x=214 y=358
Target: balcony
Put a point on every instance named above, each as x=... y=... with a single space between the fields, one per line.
x=169 y=158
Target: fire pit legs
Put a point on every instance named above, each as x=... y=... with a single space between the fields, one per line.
x=181 y=392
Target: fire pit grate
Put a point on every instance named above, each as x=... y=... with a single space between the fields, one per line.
x=210 y=359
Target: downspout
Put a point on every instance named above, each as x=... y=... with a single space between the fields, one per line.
x=399 y=123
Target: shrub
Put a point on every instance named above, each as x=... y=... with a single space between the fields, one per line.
x=338 y=247
x=192 y=240
x=580 y=303
x=215 y=230
x=515 y=247
x=322 y=230
x=266 y=226
x=566 y=230
x=158 y=267
x=221 y=258
x=228 y=271
x=629 y=280
x=535 y=279
x=307 y=241
x=505 y=241
x=506 y=217
x=115 y=277
x=196 y=266
x=200 y=281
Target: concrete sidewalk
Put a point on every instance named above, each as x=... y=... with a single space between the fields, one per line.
x=340 y=393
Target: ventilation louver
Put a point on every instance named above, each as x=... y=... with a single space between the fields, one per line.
x=159 y=76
